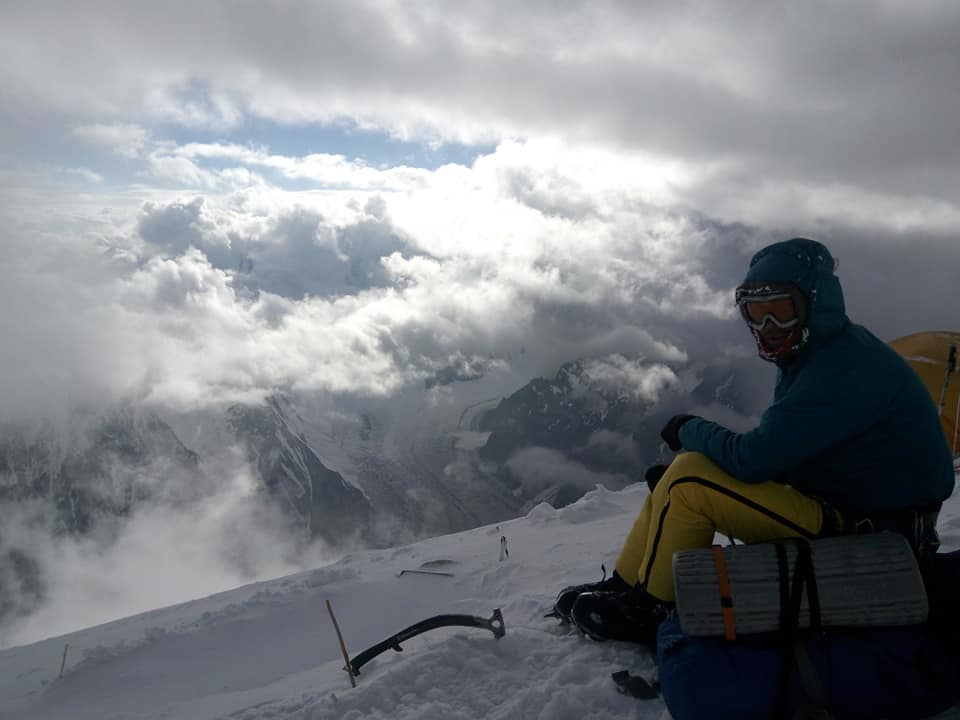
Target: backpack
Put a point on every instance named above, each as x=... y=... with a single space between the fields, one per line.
x=901 y=673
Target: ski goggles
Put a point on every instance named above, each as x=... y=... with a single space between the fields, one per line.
x=784 y=306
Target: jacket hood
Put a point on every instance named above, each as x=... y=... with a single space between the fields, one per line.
x=810 y=266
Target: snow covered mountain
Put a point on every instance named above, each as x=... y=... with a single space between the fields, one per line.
x=407 y=466
x=360 y=471
x=596 y=421
x=268 y=650
x=316 y=499
x=91 y=476
x=342 y=477
x=102 y=466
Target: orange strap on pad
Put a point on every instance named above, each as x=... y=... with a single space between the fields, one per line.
x=726 y=597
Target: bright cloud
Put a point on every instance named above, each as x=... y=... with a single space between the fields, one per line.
x=124 y=139
x=757 y=122
x=631 y=376
x=642 y=153
x=365 y=290
x=85 y=174
x=184 y=164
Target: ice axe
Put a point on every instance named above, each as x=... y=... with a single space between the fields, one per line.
x=494 y=624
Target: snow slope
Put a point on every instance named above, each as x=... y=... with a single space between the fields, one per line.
x=268 y=650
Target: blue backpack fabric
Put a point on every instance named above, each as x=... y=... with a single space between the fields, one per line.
x=900 y=673
x=896 y=673
x=941 y=576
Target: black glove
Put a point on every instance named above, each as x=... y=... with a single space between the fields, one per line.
x=671 y=431
x=653 y=475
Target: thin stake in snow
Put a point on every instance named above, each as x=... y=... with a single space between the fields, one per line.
x=63 y=663
x=343 y=646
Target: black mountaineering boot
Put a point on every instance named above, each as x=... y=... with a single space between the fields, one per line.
x=565 y=599
x=631 y=616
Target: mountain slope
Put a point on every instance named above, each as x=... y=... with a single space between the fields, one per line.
x=596 y=421
x=90 y=477
x=316 y=499
x=102 y=466
x=268 y=651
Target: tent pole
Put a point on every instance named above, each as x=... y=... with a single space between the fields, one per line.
x=951 y=368
x=956 y=426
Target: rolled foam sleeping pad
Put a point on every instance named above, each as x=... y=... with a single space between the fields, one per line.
x=862 y=581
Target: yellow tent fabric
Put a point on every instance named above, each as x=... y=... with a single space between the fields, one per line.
x=928 y=353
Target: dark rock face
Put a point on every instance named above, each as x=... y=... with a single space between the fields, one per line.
x=568 y=413
x=22 y=587
x=317 y=500
x=594 y=424
x=104 y=470
x=67 y=483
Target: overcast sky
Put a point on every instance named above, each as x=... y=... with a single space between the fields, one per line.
x=207 y=202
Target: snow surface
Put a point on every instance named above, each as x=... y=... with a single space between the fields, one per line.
x=268 y=651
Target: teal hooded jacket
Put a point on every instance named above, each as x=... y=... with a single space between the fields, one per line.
x=850 y=422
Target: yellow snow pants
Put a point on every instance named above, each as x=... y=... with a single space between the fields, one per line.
x=693 y=500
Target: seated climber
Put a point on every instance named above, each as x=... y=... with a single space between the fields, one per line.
x=852 y=442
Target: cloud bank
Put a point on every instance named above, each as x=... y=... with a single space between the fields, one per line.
x=769 y=113
x=158 y=556
x=218 y=297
